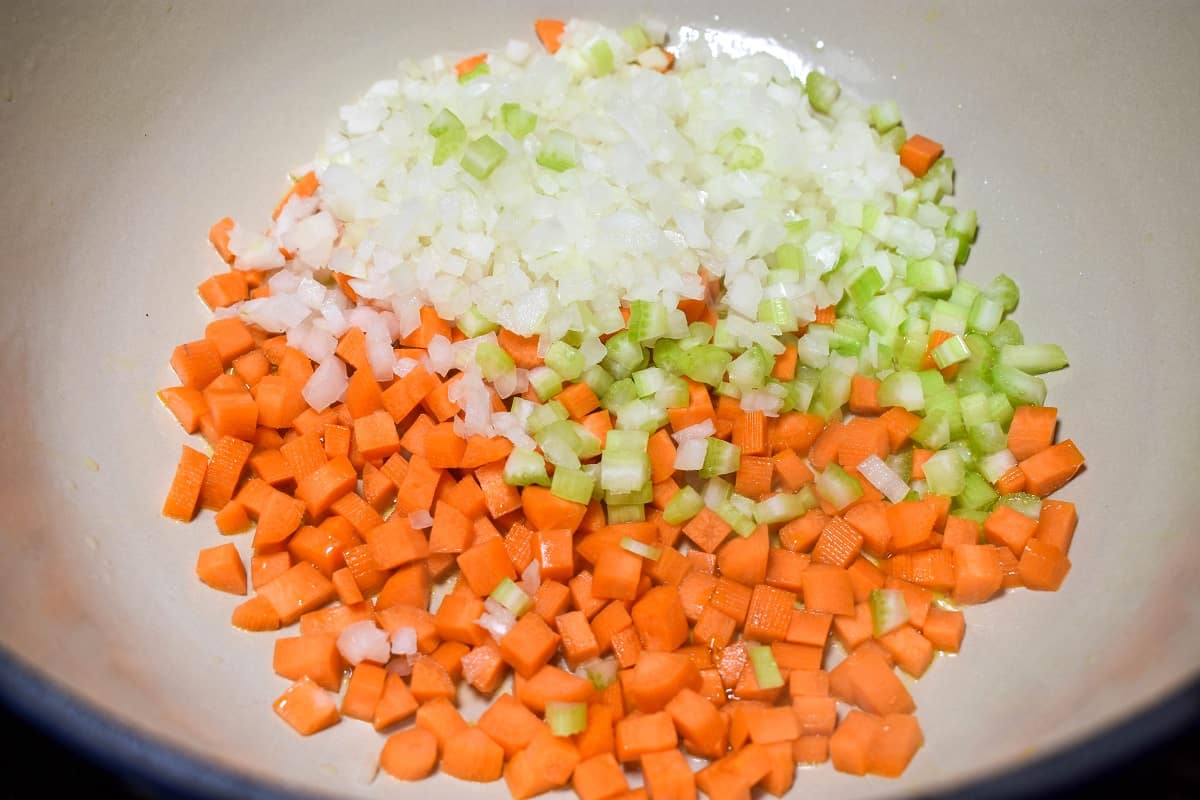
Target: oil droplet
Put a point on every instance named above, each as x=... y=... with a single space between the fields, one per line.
x=90 y=464
x=820 y=44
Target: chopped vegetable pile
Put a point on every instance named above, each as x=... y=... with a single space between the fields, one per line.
x=613 y=387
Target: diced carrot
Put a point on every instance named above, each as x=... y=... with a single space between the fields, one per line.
x=668 y=776
x=255 y=614
x=660 y=676
x=546 y=511
x=266 y=567
x=918 y=154
x=852 y=631
x=363 y=691
x=409 y=755
x=547 y=763
x=901 y=424
x=187 y=405
x=555 y=554
x=529 y=645
x=809 y=627
x=861 y=438
x=794 y=430
x=838 y=544
x=707 y=530
x=1056 y=524
x=298 y=590
x=645 y=733
x=659 y=619
x=912 y=652
x=911 y=524
x=599 y=777
x=828 y=588
x=944 y=629
x=553 y=685
x=485 y=565
x=1049 y=470
x=482 y=450
x=472 y=755
x=850 y=745
x=307 y=707
x=1010 y=528
x=785 y=363
x=335 y=619
x=1043 y=566
x=867 y=680
x=864 y=396
x=197 y=363
x=314 y=657
x=549 y=33
x=578 y=640
x=978 y=573
x=232 y=518
x=442 y=719
x=184 y=494
x=1031 y=430
x=279 y=518
x=218 y=236
x=279 y=402
x=221 y=567
x=468 y=64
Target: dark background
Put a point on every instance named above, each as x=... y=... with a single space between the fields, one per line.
x=1170 y=769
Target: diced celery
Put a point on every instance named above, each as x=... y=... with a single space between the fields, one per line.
x=445 y=122
x=635 y=36
x=706 y=363
x=670 y=356
x=789 y=257
x=598 y=379
x=560 y=444
x=649 y=380
x=849 y=335
x=512 y=597
x=623 y=470
x=646 y=551
x=902 y=388
x=742 y=524
x=948 y=317
x=1006 y=333
x=822 y=91
x=1000 y=408
x=929 y=276
x=1028 y=504
x=883 y=314
x=751 y=368
x=647 y=320
x=618 y=514
x=716 y=492
x=572 y=484
x=565 y=360
x=558 y=151
x=885 y=116
x=889 y=610
x=950 y=352
x=542 y=416
x=673 y=393
x=493 y=360
x=698 y=333
x=985 y=315
x=945 y=473
x=478 y=71
x=566 y=719
x=641 y=415
x=683 y=505
x=637 y=497
x=745 y=156
x=977 y=493
x=1020 y=388
x=1034 y=359
x=780 y=508
x=894 y=139
x=723 y=339
x=728 y=141
x=994 y=465
x=987 y=438
x=624 y=355
x=721 y=458
x=545 y=381
x=838 y=487
x=766 y=671
x=901 y=464
x=866 y=284
x=525 y=467
x=600 y=57
x=934 y=431
x=518 y=122
x=946 y=402
x=975 y=409
x=628 y=441
x=482 y=156
x=473 y=323
x=964 y=294
x=1003 y=290
x=833 y=391
x=777 y=311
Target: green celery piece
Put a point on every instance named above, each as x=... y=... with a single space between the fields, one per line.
x=822 y=91
x=482 y=156
x=518 y=122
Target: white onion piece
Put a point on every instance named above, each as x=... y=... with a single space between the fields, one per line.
x=496 y=619
x=253 y=250
x=420 y=520
x=404 y=641
x=701 y=430
x=327 y=385
x=403 y=366
x=763 y=401
x=532 y=577
x=690 y=455
x=363 y=641
x=440 y=355
x=881 y=476
x=400 y=666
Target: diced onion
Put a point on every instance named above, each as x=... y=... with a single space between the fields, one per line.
x=881 y=476
x=364 y=641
